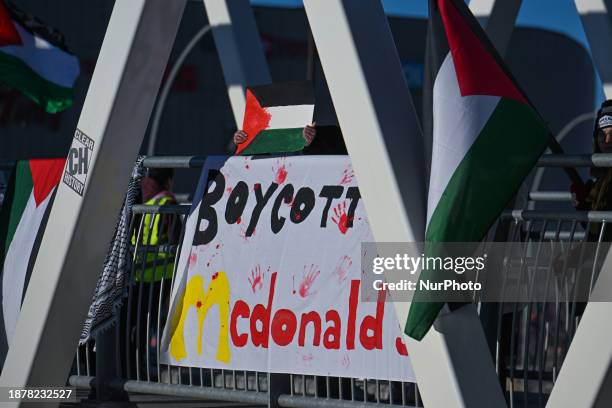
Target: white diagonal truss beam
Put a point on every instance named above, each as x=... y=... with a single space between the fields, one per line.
x=500 y=17
x=501 y=22
x=114 y=117
x=239 y=49
x=383 y=137
x=481 y=8
x=585 y=379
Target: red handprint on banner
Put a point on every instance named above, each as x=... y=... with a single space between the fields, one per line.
x=280 y=171
x=257 y=278
x=308 y=277
x=342 y=268
x=340 y=217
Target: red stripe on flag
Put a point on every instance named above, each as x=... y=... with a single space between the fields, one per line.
x=46 y=174
x=8 y=32
x=256 y=119
x=477 y=71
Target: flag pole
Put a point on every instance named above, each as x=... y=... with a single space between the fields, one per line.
x=590 y=352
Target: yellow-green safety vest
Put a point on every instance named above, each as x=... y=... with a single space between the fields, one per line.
x=156 y=261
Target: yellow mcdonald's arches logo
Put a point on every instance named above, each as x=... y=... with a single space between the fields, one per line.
x=217 y=293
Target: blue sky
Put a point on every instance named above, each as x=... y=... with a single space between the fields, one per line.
x=554 y=15
x=403 y=8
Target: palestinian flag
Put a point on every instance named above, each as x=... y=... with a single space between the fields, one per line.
x=275 y=116
x=34 y=60
x=486 y=136
x=23 y=217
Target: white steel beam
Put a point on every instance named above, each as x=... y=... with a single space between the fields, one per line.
x=379 y=124
x=375 y=112
x=239 y=49
x=481 y=8
x=498 y=18
x=501 y=22
x=114 y=118
x=591 y=350
x=585 y=378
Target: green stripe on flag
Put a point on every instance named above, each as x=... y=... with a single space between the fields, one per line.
x=484 y=182
x=17 y=74
x=14 y=204
x=488 y=176
x=276 y=141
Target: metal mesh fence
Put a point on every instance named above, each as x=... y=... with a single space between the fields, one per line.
x=137 y=341
x=530 y=340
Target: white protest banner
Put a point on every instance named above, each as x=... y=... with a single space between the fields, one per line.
x=269 y=275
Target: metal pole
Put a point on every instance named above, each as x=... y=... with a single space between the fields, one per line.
x=383 y=138
x=239 y=48
x=163 y=95
x=310 y=57
x=110 y=130
x=107 y=368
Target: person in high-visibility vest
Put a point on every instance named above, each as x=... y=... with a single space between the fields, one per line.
x=154 y=238
x=153 y=261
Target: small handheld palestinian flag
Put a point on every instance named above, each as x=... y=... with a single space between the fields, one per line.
x=275 y=116
x=23 y=217
x=34 y=60
x=486 y=135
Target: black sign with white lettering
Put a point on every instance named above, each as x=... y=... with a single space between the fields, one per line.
x=77 y=163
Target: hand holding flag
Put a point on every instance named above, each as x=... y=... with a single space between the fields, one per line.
x=274 y=119
x=309 y=134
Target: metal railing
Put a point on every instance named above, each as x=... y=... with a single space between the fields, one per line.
x=144 y=313
x=528 y=341
x=532 y=338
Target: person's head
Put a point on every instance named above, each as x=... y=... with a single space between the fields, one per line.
x=603 y=128
x=163 y=177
